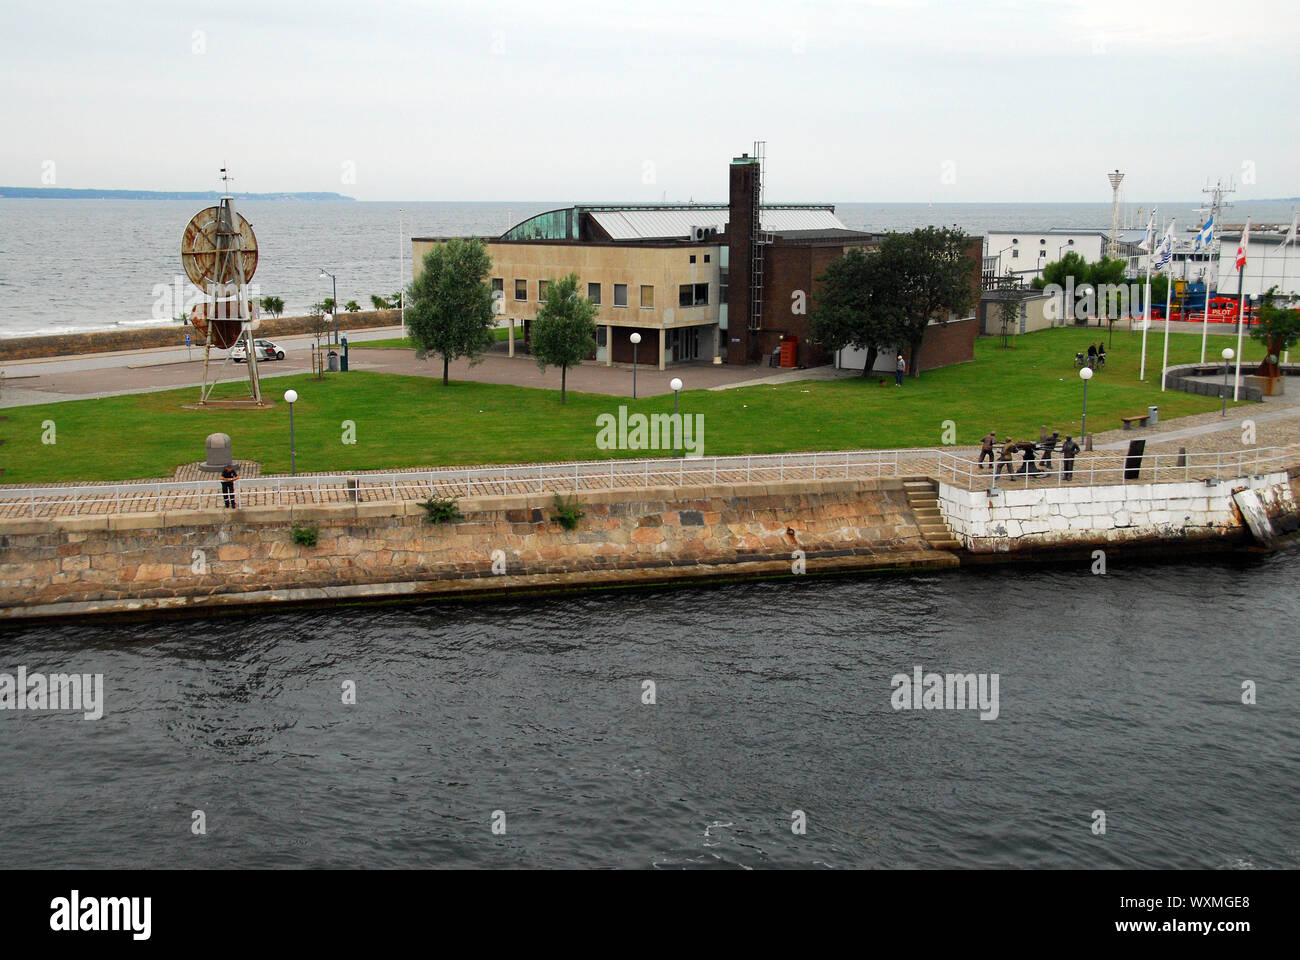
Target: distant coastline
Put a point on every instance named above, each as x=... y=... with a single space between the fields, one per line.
x=66 y=193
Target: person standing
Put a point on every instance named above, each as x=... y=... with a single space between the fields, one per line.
x=986 y=448
x=900 y=367
x=229 y=474
x=1027 y=464
x=1069 y=450
x=1007 y=458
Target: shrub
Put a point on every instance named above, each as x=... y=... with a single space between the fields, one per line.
x=567 y=511
x=437 y=510
x=305 y=535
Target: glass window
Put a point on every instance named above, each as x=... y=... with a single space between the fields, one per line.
x=685 y=295
x=647 y=296
x=593 y=292
x=498 y=287
x=1015 y=254
x=543 y=288
x=706 y=258
x=701 y=294
x=521 y=289
x=601 y=332
x=692 y=258
x=620 y=294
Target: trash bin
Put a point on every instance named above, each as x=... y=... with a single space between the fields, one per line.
x=345 y=355
x=1153 y=416
x=333 y=362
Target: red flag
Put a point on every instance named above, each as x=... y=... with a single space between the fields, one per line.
x=1241 y=249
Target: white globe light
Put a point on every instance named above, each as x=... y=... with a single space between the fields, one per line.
x=1086 y=373
x=675 y=384
x=291 y=396
x=323 y=275
x=1228 y=353
x=635 y=338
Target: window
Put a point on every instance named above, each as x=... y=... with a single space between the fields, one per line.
x=620 y=294
x=685 y=295
x=498 y=287
x=1015 y=254
x=1042 y=253
x=593 y=293
x=647 y=296
x=706 y=258
x=521 y=289
x=1042 y=243
x=543 y=288
x=692 y=258
x=701 y=294
x=601 y=335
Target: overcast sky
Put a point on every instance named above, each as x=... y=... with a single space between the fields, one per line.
x=886 y=100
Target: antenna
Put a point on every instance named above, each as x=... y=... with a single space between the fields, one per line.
x=1115 y=179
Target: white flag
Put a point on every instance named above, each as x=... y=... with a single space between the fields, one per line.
x=1290 y=234
x=1149 y=235
x=1165 y=251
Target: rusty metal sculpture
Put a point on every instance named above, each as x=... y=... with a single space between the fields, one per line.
x=219 y=254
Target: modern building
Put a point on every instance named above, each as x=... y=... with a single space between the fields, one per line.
x=700 y=282
x=1025 y=253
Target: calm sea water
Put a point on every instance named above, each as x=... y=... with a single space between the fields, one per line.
x=73 y=265
x=1118 y=693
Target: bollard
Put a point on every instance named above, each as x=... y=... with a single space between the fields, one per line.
x=1087 y=443
x=1182 y=456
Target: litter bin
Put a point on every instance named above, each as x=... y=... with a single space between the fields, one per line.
x=1153 y=416
x=345 y=354
x=333 y=361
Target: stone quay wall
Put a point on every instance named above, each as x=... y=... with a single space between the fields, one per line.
x=205 y=559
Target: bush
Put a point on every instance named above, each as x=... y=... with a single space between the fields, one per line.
x=306 y=536
x=567 y=511
x=442 y=510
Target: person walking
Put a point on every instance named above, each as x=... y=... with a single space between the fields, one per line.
x=986 y=448
x=1069 y=450
x=1007 y=458
x=229 y=474
x=900 y=367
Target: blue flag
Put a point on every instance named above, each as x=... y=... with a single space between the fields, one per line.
x=1206 y=236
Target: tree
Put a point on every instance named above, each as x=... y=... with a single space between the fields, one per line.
x=1008 y=311
x=379 y=303
x=841 y=314
x=1277 y=328
x=449 y=305
x=327 y=304
x=352 y=306
x=273 y=305
x=564 y=333
x=920 y=276
x=1070 y=265
x=319 y=327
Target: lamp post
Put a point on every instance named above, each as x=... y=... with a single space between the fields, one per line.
x=635 y=338
x=1085 y=374
x=1228 y=354
x=335 y=312
x=291 y=397
x=676 y=385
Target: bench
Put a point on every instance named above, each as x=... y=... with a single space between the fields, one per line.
x=1141 y=421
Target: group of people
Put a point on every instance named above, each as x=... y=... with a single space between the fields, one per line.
x=1096 y=354
x=1030 y=464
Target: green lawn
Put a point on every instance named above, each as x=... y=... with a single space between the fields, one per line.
x=407 y=421
x=404 y=343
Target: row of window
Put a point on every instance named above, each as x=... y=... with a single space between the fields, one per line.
x=688 y=294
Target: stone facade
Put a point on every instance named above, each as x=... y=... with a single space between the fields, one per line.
x=210 y=557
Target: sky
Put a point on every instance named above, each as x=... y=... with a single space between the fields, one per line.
x=591 y=100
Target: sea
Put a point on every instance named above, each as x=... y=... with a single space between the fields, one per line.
x=1145 y=718
x=71 y=266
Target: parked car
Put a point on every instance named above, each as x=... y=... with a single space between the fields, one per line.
x=266 y=350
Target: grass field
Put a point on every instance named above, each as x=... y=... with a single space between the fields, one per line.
x=408 y=421
x=499 y=334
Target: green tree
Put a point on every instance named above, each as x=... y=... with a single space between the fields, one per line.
x=921 y=276
x=1277 y=328
x=841 y=316
x=449 y=305
x=327 y=304
x=1008 y=310
x=272 y=305
x=379 y=303
x=352 y=306
x=564 y=333
x=1070 y=265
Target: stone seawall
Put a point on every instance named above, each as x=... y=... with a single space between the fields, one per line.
x=1016 y=520
x=173 y=335
x=202 y=560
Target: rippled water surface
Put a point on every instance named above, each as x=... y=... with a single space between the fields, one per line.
x=1119 y=693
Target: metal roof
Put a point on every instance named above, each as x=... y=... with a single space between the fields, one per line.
x=668 y=224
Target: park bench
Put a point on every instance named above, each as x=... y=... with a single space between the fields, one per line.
x=1140 y=420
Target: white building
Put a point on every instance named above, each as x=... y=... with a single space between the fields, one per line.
x=1027 y=252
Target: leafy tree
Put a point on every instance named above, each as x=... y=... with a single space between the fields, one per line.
x=841 y=314
x=273 y=305
x=449 y=308
x=1277 y=328
x=352 y=306
x=1106 y=271
x=1008 y=312
x=1070 y=265
x=319 y=327
x=564 y=333
x=919 y=276
x=327 y=304
x=379 y=303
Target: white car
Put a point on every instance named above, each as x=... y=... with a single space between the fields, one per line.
x=266 y=350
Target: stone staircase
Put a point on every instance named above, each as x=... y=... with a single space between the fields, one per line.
x=923 y=498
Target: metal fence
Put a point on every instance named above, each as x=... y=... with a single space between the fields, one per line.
x=110 y=499
x=1098 y=469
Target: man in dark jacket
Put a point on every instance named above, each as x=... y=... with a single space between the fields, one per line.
x=1069 y=450
x=986 y=448
x=229 y=474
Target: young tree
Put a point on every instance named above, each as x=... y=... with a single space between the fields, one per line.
x=920 y=276
x=841 y=314
x=564 y=333
x=1008 y=312
x=319 y=327
x=273 y=305
x=1277 y=328
x=449 y=305
x=379 y=303
x=352 y=306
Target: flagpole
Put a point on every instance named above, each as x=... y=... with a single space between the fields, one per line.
x=1169 y=299
x=1205 y=320
x=1241 y=306
x=1146 y=299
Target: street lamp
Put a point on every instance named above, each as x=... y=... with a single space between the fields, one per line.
x=1228 y=354
x=1085 y=374
x=676 y=385
x=291 y=397
x=335 y=313
x=635 y=338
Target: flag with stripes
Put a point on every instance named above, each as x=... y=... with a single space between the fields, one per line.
x=1206 y=236
x=1241 y=247
x=1165 y=250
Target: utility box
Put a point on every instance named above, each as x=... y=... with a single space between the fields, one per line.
x=334 y=361
x=1153 y=416
x=789 y=351
x=219 y=455
x=345 y=354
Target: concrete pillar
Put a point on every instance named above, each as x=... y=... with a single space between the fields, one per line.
x=662 y=338
x=609 y=345
x=512 y=336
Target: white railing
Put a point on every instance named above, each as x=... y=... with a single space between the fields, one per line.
x=100 y=499
x=1097 y=469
